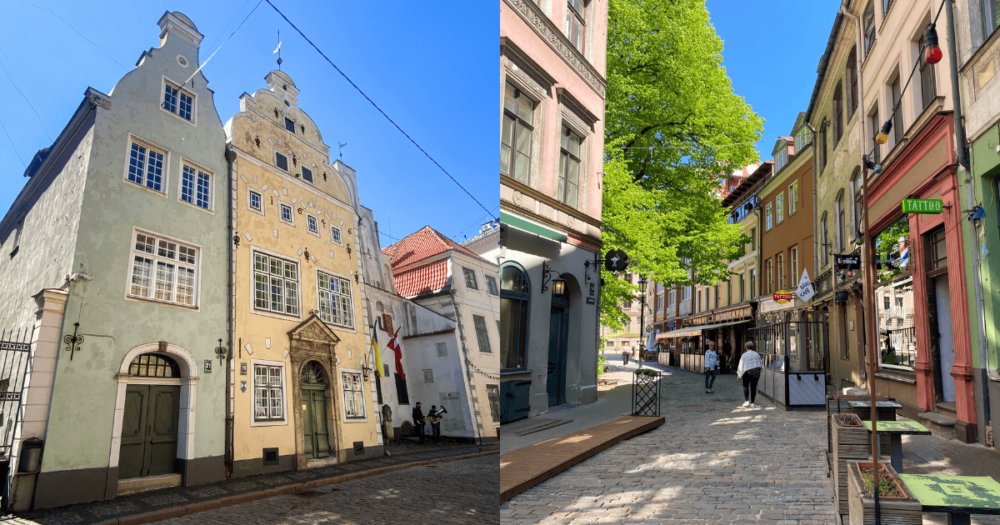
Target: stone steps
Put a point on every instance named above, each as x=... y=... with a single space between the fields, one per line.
x=940 y=425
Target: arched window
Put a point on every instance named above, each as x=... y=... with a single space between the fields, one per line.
x=856 y=204
x=838 y=114
x=851 y=74
x=153 y=365
x=840 y=215
x=825 y=240
x=313 y=374
x=515 y=300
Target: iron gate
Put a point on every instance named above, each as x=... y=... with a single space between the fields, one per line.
x=15 y=353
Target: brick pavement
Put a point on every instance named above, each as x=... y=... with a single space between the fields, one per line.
x=172 y=498
x=612 y=403
x=462 y=492
x=712 y=462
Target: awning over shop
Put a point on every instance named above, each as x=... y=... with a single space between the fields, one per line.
x=696 y=330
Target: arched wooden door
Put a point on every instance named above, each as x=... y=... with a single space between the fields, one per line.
x=314 y=411
x=149 y=425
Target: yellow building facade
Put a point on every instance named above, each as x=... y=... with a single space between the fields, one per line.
x=302 y=388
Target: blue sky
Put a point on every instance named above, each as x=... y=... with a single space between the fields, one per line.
x=771 y=53
x=433 y=70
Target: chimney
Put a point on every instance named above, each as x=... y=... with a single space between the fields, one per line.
x=176 y=23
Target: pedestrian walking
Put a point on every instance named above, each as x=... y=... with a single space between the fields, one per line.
x=711 y=367
x=749 y=371
x=625 y=352
x=418 y=421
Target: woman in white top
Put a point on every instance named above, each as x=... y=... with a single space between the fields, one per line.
x=711 y=367
x=749 y=371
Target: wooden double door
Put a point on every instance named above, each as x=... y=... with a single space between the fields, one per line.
x=149 y=431
x=314 y=428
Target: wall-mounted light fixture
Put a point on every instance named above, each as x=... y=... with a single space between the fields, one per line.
x=74 y=341
x=558 y=284
x=221 y=352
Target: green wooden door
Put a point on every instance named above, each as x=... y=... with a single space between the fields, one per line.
x=317 y=437
x=149 y=431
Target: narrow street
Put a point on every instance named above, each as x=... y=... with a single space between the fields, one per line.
x=462 y=492
x=713 y=461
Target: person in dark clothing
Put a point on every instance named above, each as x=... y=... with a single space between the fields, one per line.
x=418 y=421
x=435 y=415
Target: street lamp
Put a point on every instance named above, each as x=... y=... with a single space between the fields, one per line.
x=642 y=318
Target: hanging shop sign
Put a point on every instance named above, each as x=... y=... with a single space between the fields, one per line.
x=848 y=262
x=805 y=290
x=782 y=297
x=923 y=206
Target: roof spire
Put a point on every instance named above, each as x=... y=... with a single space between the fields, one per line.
x=278 y=50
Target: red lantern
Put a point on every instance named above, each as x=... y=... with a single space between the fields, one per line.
x=933 y=55
x=933 y=52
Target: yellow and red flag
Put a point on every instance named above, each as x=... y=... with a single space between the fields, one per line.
x=378 y=355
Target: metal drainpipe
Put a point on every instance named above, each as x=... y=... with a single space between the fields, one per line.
x=815 y=176
x=230 y=324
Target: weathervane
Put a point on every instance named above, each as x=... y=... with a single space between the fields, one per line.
x=341 y=146
x=278 y=50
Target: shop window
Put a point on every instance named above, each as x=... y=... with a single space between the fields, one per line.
x=897 y=334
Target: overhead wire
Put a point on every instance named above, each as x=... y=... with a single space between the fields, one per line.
x=229 y=23
x=19 y=77
x=205 y=63
x=25 y=97
x=372 y=102
x=77 y=32
x=12 y=144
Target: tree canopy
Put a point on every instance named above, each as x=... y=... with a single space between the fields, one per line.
x=673 y=128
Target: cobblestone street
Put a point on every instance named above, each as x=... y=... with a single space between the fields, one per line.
x=461 y=492
x=712 y=462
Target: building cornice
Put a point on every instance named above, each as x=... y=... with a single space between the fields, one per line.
x=561 y=206
x=550 y=34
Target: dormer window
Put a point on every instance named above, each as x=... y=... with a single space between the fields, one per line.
x=178 y=102
x=781 y=158
x=290 y=125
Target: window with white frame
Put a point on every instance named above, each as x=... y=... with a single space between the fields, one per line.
x=178 y=101
x=276 y=284
x=281 y=161
x=286 y=214
x=470 y=279
x=196 y=187
x=793 y=198
x=335 y=235
x=145 y=166
x=335 y=305
x=576 y=24
x=767 y=216
x=163 y=270
x=255 y=201
x=312 y=224
x=269 y=398
x=672 y=298
x=493 y=394
x=779 y=207
x=307 y=175
x=569 y=167
x=491 y=285
x=794 y=260
x=354 y=395
x=482 y=335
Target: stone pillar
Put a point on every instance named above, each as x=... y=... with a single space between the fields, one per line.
x=38 y=382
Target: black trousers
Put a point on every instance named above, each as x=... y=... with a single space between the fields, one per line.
x=420 y=432
x=436 y=430
x=750 y=387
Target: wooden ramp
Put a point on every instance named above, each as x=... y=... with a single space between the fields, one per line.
x=524 y=468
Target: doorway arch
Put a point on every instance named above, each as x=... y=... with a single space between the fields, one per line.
x=183 y=373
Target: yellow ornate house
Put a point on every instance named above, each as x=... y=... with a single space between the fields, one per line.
x=302 y=389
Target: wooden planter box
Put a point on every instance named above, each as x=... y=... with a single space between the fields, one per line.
x=884 y=414
x=851 y=443
x=894 y=511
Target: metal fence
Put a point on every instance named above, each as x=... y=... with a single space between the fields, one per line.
x=15 y=353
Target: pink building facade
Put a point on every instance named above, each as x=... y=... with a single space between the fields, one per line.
x=552 y=88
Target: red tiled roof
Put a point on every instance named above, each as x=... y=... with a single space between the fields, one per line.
x=418 y=246
x=427 y=278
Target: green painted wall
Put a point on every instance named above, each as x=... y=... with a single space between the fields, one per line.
x=83 y=402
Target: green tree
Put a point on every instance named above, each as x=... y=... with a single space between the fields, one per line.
x=673 y=129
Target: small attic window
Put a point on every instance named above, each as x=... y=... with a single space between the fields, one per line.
x=289 y=124
x=285 y=87
x=287 y=104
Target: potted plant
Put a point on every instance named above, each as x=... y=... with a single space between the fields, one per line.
x=850 y=443
x=896 y=504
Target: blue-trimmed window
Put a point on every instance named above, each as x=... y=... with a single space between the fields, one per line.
x=145 y=167
x=196 y=187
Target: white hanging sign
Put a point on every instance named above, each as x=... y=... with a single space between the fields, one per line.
x=805 y=290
